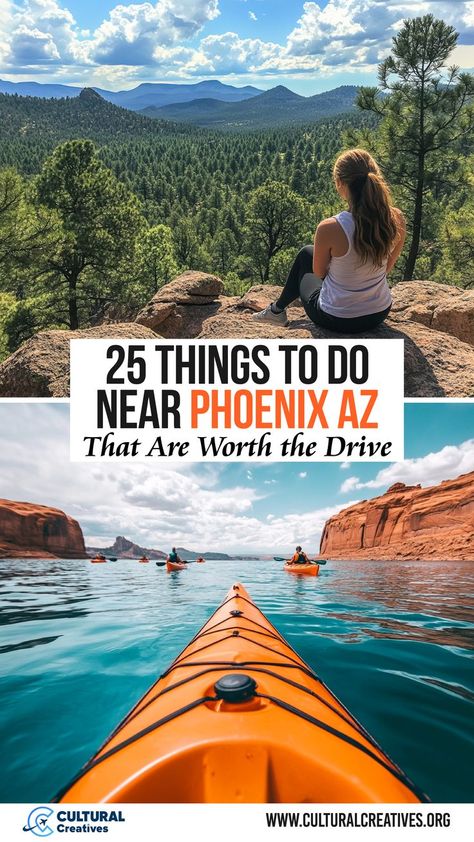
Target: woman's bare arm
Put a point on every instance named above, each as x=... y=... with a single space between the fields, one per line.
x=322 y=247
x=400 y=241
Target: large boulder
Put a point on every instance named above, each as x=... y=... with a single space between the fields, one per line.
x=438 y=306
x=191 y=288
x=179 y=309
x=40 y=367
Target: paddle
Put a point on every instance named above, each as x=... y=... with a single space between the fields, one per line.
x=310 y=561
x=163 y=563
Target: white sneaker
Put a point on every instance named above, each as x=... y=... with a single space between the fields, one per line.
x=269 y=316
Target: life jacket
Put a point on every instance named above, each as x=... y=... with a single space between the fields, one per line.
x=173 y=556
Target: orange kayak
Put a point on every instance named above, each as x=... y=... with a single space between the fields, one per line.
x=98 y=560
x=144 y=560
x=238 y=717
x=303 y=569
x=174 y=565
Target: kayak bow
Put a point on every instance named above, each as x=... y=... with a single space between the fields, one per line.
x=239 y=717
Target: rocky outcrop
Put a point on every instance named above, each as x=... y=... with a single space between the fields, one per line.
x=438 y=306
x=435 y=321
x=123 y=548
x=40 y=367
x=28 y=530
x=180 y=309
x=436 y=363
x=407 y=522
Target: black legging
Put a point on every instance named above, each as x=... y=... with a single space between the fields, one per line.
x=302 y=283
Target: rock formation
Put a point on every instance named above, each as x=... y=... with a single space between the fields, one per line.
x=438 y=306
x=123 y=548
x=435 y=321
x=407 y=522
x=34 y=531
x=40 y=367
x=180 y=309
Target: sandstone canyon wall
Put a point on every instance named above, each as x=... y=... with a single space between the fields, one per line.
x=408 y=522
x=34 y=531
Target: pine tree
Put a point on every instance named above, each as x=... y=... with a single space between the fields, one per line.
x=156 y=264
x=275 y=219
x=99 y=221
x=426 y=111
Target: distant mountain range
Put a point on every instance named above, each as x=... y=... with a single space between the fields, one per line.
x=278 y=106
x=206 y=104
x=156 y=94
x=123 y=548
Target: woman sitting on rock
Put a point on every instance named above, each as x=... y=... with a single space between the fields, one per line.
x=353 y=253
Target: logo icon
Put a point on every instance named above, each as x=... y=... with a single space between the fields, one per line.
x=38 y=822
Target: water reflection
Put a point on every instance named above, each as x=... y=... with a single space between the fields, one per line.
x=412 y=587
x=28 y=644
x=393 y=640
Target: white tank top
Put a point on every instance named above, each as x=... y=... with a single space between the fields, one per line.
x=351 y=289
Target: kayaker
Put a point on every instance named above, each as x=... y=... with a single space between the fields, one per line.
x=174 y=557
x=299 y=557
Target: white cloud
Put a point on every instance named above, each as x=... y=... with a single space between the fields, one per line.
x=301 y=528
x=156 y=506
x=41 y=33
x=468 y=16
x=160 y=504
x=448 y=463
x=358 y=33
x=131 y=34
x=303 y=474
x=344 y=466
x=229 y=54
x=143 y=40
x=350 y=484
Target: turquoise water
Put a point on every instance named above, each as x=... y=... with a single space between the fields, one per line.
x=80 y=643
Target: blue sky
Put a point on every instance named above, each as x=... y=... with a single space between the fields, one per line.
x=236 y=507
x=309 y=46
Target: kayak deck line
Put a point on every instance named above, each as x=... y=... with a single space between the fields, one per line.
x=236 y=728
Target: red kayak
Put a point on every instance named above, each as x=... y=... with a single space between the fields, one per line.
x=175 y=565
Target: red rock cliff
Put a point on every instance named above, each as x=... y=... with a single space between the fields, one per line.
x=27 y=529
x=411 y=522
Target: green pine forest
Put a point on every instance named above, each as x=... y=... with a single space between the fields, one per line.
x=100 y=206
